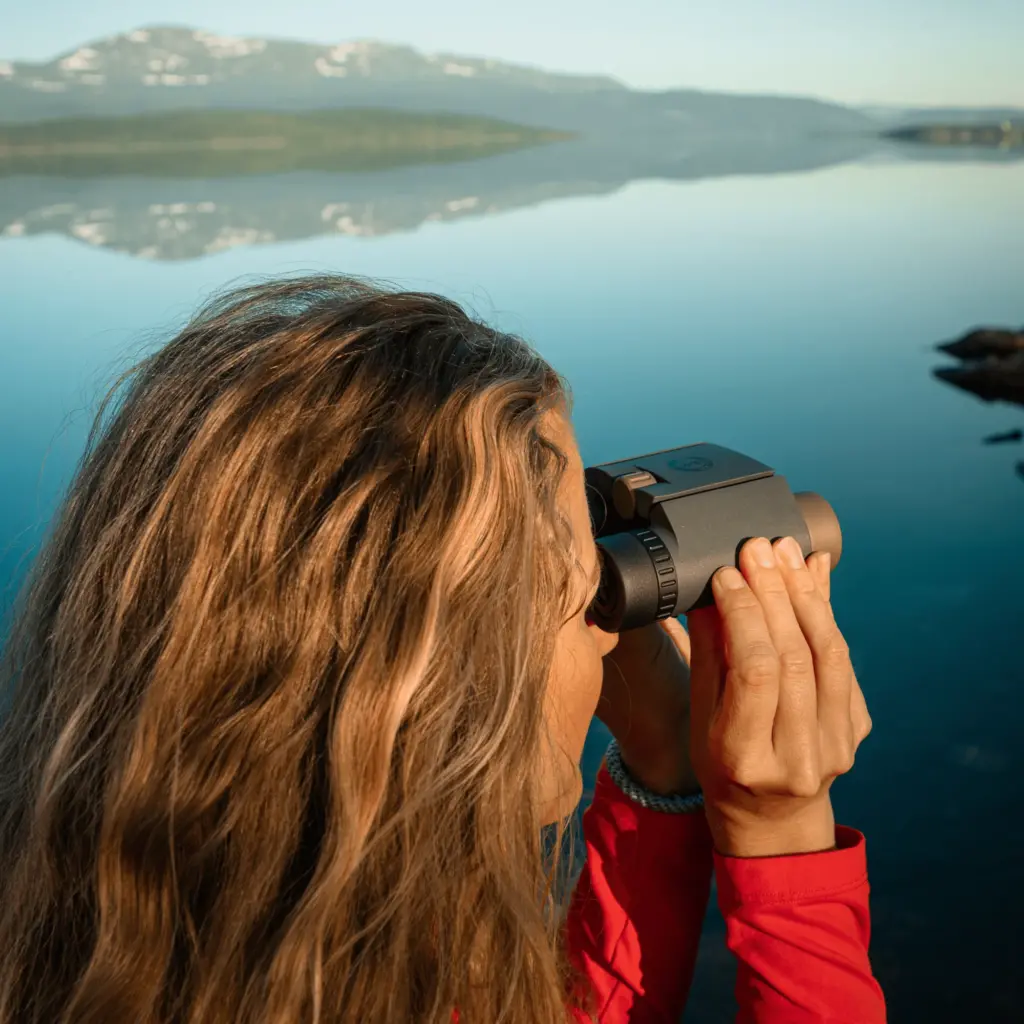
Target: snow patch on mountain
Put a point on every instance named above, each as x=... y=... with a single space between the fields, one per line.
x=81 y=60
x=221 y=47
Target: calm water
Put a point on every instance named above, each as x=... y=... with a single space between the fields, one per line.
x=788 y=316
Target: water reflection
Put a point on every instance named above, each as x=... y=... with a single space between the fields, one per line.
x=181 y=218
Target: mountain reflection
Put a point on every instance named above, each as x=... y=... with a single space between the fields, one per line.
x=186 y=218
x=169 y=218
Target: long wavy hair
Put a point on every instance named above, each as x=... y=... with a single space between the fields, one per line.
x=274 y=683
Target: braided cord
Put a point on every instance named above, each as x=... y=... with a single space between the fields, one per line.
x=675 y=804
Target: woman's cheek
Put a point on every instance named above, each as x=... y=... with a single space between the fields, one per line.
x=606 y=642
x=595 y=662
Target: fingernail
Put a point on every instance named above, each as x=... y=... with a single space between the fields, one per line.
x=730 y=578
x=791 y=553
x=762 y=552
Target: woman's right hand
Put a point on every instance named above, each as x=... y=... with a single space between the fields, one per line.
x=777 y=712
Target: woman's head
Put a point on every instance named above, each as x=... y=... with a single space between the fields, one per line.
x=299 y=673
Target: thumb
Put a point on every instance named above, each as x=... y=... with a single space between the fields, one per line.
x=678 y=636
x=707 y=667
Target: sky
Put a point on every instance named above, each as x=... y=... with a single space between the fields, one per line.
x=903 y=52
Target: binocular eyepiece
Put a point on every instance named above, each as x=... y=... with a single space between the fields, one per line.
x=667 y=521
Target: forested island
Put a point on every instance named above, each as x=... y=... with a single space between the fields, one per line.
x=1007 y=135
x=216 y=143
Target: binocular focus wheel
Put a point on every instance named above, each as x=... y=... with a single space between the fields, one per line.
x=668 y=585
x=638 y=581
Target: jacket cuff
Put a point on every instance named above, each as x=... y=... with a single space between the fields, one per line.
x=661 y=836
x=793 y=877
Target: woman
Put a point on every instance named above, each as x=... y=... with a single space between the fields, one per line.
x=305 y=666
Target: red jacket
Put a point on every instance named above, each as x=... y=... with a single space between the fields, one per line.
x=799 y=925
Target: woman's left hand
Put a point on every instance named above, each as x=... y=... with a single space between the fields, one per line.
x=645 y=703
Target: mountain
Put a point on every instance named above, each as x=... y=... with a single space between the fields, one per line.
x=163 y=68
x=178 y=58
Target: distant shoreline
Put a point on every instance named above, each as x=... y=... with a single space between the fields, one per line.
x=100 y=148
x=223 y=142
x=1008 y=135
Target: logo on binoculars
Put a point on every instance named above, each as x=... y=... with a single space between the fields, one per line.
x=695 y=464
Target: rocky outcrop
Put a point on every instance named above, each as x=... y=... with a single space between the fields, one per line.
x=992 y=364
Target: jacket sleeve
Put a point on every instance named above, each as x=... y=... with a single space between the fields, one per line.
x=634 y=923
x=799 y=927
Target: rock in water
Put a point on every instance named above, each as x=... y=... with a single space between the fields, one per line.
x=990 y=379
x=986 y=341
x=1004 y=438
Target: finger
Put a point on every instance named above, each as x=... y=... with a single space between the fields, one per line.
x=833 y=672
x=796 y=721
x=750 y=696
x=708 y=668
x=820 y=564
x=678 y=635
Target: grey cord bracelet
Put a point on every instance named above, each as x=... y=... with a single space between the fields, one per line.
x=677 y=804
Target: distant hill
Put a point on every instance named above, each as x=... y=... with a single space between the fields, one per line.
x=218 y=143
x=1006 y=135
x=162 y=68
x=905 y=117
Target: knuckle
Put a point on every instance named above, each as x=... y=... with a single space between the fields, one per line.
x=744 y=773
x=831 y=647
x=843 y=756
x=804 y=782
x=737 y=766
x=718 y=755
x=797 y=661
x=759 y=665
x=836 y=651
x=770 y=582
x=803 y=582
x=864 y=727
x=741 y=600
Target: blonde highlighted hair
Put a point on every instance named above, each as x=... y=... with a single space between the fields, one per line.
x=274 y=685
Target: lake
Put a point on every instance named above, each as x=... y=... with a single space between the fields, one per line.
x=792 y=316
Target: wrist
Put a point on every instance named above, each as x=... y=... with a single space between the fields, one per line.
x=635 y=791
x=667 y=773
x=812 y=829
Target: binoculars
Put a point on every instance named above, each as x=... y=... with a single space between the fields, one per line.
x=666 y=522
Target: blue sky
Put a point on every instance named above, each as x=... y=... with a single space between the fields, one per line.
x=929 y=52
